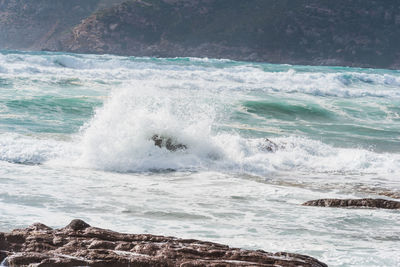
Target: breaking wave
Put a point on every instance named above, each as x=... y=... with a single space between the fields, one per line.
x=193 y=102
x=226 y=74
x=119 y=138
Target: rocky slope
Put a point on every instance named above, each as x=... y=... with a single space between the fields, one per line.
x=343 y=32
x=78 y=244
x=35 y=25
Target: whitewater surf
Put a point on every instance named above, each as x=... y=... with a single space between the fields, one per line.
x=77 y=140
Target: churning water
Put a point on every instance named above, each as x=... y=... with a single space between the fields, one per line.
x=76 y=142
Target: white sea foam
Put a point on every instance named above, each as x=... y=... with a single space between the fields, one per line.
x=227 y=187
x=17 y=148
x=125 y=145
x=210 y=73
x=185 y=99
x=118 y=138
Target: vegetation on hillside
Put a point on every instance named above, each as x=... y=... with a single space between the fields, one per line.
x=341 y=32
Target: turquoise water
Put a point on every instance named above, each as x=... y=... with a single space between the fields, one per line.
x=75 y=141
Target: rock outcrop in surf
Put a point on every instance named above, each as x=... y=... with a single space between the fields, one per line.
x=167 y=142
x=173 y=145
x=79 y=244
x=268 y=145
x=355 y=203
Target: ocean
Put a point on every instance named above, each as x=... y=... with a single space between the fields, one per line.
x=76 y=142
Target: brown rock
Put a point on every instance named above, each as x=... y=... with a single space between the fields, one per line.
x=78 y=244
x=352 y=203
x=77 y=225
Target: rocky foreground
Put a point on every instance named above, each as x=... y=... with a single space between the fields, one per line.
x=79 y=244
x=355 y=203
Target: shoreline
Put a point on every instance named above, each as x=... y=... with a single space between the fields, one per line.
x=79 y=244
x=328 y=63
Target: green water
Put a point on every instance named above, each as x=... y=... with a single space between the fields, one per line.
x=76 y=141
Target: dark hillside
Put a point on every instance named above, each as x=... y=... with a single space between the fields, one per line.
x=317 y=32
x=36 y=24
x=343 y=32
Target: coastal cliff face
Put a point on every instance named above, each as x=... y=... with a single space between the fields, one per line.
x=351 y=32
x=35 y=25
x=343 y=32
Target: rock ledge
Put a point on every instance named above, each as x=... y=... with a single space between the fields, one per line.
x=79 y=244
x=355 y=203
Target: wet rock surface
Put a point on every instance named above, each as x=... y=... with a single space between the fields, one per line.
x=354 y=203
x=167 y=142
x=79 y=244
x=269 y=146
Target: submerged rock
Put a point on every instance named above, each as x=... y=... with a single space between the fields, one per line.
x=167 y=142
x=351 y=203
x=268 y=145
x=79 y=244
